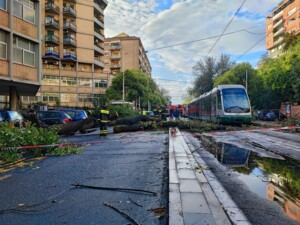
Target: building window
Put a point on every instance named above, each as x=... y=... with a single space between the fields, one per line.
x=24 y=51
x=50 y=80
x=3 y=4
x=3 y=45
x=68 y=81
x=63 y=66
x=50 y=97
x=85 y=97
x=85 y=82
x=24 y=9
x=100 y=83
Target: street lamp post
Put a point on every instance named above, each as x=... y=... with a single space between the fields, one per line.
x=123 y=95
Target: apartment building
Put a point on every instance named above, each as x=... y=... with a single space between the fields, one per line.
x=72 y=53
x=125 y=52
x=20 y=50
x=284 y=18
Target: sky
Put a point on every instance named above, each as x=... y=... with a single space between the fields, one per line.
x=163 y=23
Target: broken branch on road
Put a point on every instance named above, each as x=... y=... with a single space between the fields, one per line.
x=114 y=189
x=121 y=212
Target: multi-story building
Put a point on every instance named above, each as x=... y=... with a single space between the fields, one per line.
x=284 y=18
x=125 y=52
x=72 y=53
x=20 y=50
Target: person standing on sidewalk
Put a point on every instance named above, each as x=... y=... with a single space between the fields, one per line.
x=104 y=120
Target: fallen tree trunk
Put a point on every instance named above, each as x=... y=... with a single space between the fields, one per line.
x=132 y=120
x=124 y=128
x=73 y=127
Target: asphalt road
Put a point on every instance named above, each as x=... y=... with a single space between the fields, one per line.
x=42 y=194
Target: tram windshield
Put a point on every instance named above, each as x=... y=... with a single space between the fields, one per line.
x=235 y=100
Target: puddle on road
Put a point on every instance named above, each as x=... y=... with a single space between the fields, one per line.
x=274 y=179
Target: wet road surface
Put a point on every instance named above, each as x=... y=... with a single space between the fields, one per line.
x=44 y=193
x=260 y=170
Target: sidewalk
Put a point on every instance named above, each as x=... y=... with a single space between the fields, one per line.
x=194 y=192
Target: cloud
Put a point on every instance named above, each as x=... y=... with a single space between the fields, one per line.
x=171 y=22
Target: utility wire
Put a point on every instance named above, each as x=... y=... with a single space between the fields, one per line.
x=250 y=49
x=226 y=27
x=202 y=39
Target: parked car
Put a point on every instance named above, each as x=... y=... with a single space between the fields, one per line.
x=53 y=117
x=11 y=116
x=267 y=115
x=75 y=114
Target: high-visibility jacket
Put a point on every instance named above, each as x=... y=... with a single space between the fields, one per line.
x=104 y=116
x=144 y=113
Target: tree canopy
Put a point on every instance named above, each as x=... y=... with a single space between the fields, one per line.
x=138 y=87
x=206 y=71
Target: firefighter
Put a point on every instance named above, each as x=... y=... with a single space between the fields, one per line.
x=104 y=120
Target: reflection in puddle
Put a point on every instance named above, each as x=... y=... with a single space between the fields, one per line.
x=274 y=179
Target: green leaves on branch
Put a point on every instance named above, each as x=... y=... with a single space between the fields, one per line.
x=138 y=87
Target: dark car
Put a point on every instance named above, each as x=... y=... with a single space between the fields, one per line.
x=11 y=116
x=266 y=115
x=53 y=117
x=75 y=114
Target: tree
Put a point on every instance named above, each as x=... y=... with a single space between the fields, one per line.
x=206 y=71
x=237 y=75
x=137 y=86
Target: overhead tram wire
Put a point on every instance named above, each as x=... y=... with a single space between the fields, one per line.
x=249 y=49
x=226 y=27
x=203 y=39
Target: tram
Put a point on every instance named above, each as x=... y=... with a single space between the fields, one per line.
x=226 y=104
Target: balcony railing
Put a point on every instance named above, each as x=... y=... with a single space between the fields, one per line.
x=69 y=11
x=97 y=21
x=114 y=47
x=69 y=41
x=99 y=35
x=99 y=49
x=115 y=56
x=97 y=7
x=50 y=6
x=52 y=38
x=70 y=26
x=70 y=56
x=115 y=66
x=282 y=29
x=52 y=54
x=98 y=62
x=52 y=22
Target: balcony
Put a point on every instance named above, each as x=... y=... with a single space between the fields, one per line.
x=99 y=35
x=115 y=47
x=52 y=39
x=98 y=8
x=51 y=23
x=115 y=66
x=71 y=56
x=99 y=49
x=277 y=15
x=115 y=56
x=277 y=23
x=69 y=26
x=97 y=62
x=69 y=11
x=51 y=54
x=70 y=41
x=279 y=31
x=97 y=21
x=72 y=1
x=102 y=3
x=51 y=7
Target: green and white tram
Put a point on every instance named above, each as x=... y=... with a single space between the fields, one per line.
x=227 y=104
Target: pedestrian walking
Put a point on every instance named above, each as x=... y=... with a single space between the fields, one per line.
x=171 y=113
